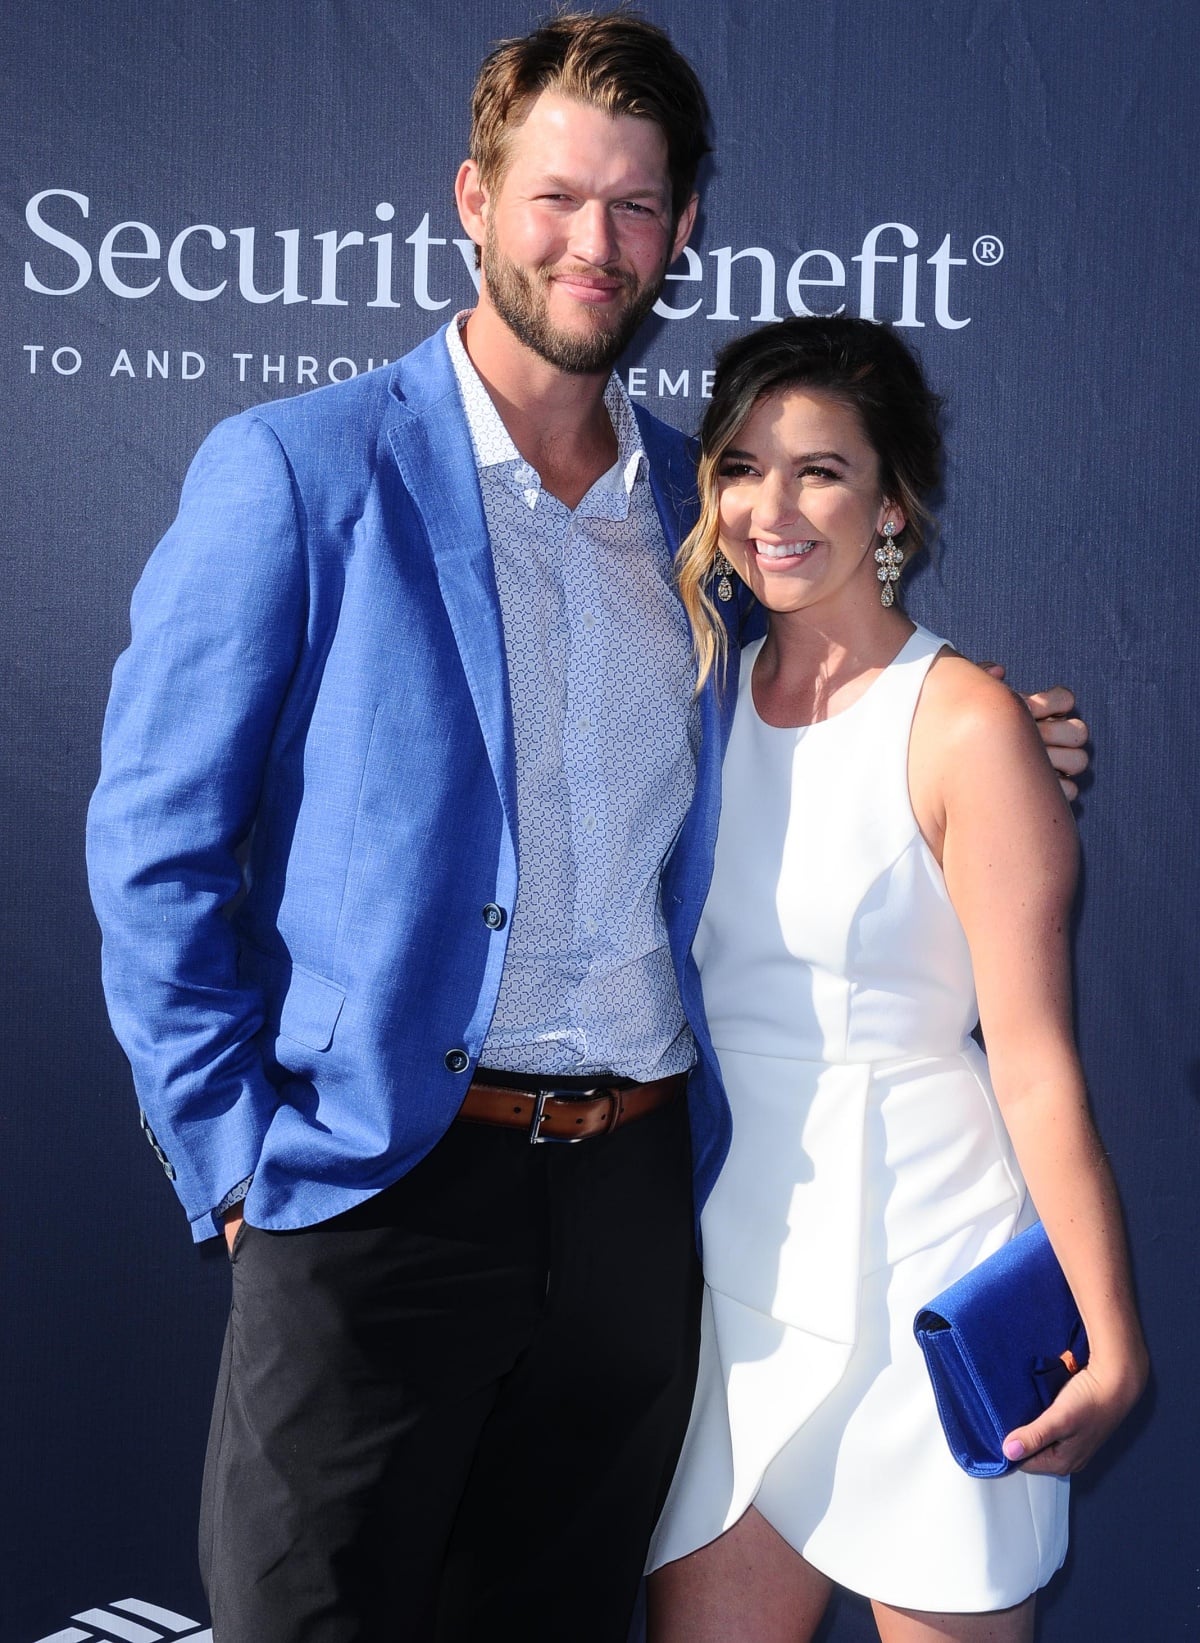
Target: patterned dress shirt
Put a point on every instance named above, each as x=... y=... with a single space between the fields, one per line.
x=601 y=681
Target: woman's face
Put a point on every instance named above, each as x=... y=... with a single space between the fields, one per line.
x=801 y=506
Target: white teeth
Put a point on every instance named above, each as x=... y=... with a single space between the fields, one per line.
x=783 y=550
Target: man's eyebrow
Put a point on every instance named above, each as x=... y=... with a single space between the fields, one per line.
x=647 y=192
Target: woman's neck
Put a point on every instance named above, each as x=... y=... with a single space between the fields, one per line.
x=813 y=666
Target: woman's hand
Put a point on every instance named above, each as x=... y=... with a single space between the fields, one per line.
x=983 y=793
x=1089 y=1408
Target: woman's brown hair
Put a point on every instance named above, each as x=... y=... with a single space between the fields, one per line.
x=860 y=363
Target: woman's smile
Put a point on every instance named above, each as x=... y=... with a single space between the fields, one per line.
x=780 y=551
x=801 y=503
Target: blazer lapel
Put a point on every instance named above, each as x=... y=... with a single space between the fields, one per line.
x=687 y=873
x=672 y=463
x=433 y=449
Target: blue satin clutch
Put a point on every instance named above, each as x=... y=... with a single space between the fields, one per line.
x=999 y=1345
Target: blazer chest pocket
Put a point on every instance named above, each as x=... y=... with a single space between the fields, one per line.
x=310 y=1009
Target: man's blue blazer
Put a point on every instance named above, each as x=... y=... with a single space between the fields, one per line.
x=308 y=800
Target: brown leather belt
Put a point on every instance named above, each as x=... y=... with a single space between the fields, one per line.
x=551 y=1113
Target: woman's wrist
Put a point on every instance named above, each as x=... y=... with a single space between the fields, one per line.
x=1122 y=1366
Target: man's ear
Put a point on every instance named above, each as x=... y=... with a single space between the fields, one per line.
x=471 y=197
x=683 y=228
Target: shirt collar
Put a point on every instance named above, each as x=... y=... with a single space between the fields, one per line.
x=494 y=449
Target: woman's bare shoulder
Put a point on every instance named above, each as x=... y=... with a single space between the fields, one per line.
x=976 y=761
x=960 y=704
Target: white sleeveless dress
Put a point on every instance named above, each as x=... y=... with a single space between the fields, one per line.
x=869 y=1168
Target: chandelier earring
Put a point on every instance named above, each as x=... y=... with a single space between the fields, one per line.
x=889 y=557
x=723 y=572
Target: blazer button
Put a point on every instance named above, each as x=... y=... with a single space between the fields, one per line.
x=457 y=1061
x=494 y=917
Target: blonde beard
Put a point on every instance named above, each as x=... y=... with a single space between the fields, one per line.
x=520 y=301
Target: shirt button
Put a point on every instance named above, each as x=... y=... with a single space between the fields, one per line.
x=457 y=1061
x=589 y=621
x=589 y=824
x=584 y=724
x=494 y=917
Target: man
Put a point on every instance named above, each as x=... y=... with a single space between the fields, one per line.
x=412 y=648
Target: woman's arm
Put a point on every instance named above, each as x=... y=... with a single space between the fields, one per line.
x=1064 y=736
x=990 y=807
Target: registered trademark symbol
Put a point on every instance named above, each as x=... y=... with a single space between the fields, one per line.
x=988 y=250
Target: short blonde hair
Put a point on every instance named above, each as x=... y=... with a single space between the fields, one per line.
x=615 y=61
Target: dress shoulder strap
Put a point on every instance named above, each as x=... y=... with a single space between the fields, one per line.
x=881 y=731
x=903 y=679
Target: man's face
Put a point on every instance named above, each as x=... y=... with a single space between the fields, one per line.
x=578 y=233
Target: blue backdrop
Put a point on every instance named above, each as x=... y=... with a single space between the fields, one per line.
x=210 y=204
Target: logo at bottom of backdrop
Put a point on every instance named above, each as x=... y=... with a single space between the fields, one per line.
x=128 y=1620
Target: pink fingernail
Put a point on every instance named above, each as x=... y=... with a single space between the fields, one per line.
x=1014 y=1449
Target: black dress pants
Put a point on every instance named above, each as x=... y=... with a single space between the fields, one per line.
x=452 y=1413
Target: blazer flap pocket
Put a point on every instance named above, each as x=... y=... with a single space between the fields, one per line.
x=311 y=1009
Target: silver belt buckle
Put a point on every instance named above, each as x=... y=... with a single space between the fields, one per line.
x=536 y=1138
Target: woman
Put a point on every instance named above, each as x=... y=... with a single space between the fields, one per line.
x=892 y=844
